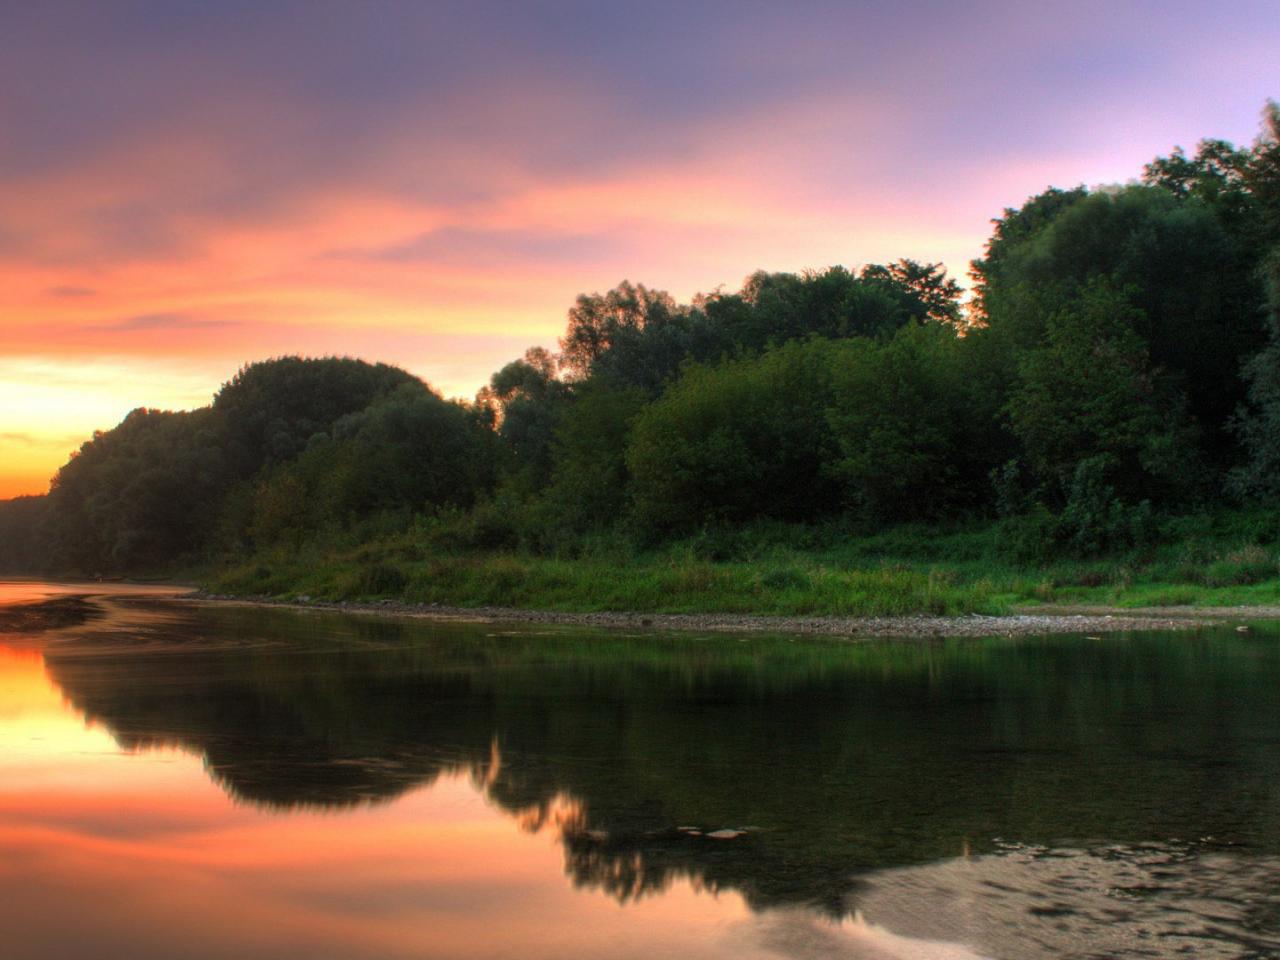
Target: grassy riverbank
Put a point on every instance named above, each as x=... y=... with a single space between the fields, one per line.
x=1224 y=560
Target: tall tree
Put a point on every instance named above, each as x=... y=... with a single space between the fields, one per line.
x=268 y=411
x=632 y=333
x=1193 y=281
x=924 y=289
x=1090 y=392
x=523 y=401
x=909 y=422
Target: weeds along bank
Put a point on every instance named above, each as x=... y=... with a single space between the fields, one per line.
x=776 y=569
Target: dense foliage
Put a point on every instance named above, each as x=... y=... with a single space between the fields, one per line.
x=1119 y=361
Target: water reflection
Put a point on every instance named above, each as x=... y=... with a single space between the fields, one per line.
x=883 y=799
x=1153 y=900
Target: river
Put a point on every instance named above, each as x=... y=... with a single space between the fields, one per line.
x=214 y=781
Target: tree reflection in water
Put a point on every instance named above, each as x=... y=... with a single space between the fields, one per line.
x=835 y=759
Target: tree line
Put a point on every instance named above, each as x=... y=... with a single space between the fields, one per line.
x=1119 y=360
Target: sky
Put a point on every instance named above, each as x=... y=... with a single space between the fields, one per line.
x=186 y=187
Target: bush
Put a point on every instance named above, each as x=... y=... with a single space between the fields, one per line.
x=382 y=579
x=1095 y=520
x=719 y=543
x=727 y=444
x=1247 y=565
x=489 y=525
x=785 y=578
x=905 y=419
x=1030 y=537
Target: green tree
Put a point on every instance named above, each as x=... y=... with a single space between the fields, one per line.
x=140 y=495
x=998 y=274
x=1244 y=185
x=774 y=308
x=269 y=410
x=907 y=423
x=924 y=289
x=748 y=438
x=1263 y=175
x=589 y=484
x=1090 y=391
x=524 y=402
x=1193 y=280
x=410 y=452
x=1258 y=422
x=632 y=333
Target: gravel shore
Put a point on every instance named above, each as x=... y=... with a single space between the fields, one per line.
x=919 y=626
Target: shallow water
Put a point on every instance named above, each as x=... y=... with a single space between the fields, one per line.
x=204 y=782
x=36 y=591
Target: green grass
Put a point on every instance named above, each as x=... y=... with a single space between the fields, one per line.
x=650 y=584
x=773 y=569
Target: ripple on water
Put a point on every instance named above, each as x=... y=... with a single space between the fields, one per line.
x=1157 y=900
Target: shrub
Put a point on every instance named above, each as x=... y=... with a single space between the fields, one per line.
x=1029 y=537
x=382 y=579
x=903 y=416
x=784 y=578
x=725 y=444
x=1095 y=520
x=1247 y=565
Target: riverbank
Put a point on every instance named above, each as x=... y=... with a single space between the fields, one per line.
x=911 y=626
x=36 y=616
x=772 y=573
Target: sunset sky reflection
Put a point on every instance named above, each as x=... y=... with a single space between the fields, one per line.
x=156 y=857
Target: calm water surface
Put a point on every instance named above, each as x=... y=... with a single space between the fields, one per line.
x=218 y=782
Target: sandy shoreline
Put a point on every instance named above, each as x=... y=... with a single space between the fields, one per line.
x=917 y=626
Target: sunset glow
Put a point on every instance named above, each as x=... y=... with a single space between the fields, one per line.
x=188 y=187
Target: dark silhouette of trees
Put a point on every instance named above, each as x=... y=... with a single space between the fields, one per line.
x=23 y=542
x=287 y=446
x=139 y=495
x=409 y=451
x=523 y=402
x=1090 y=391
x=269 y=411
